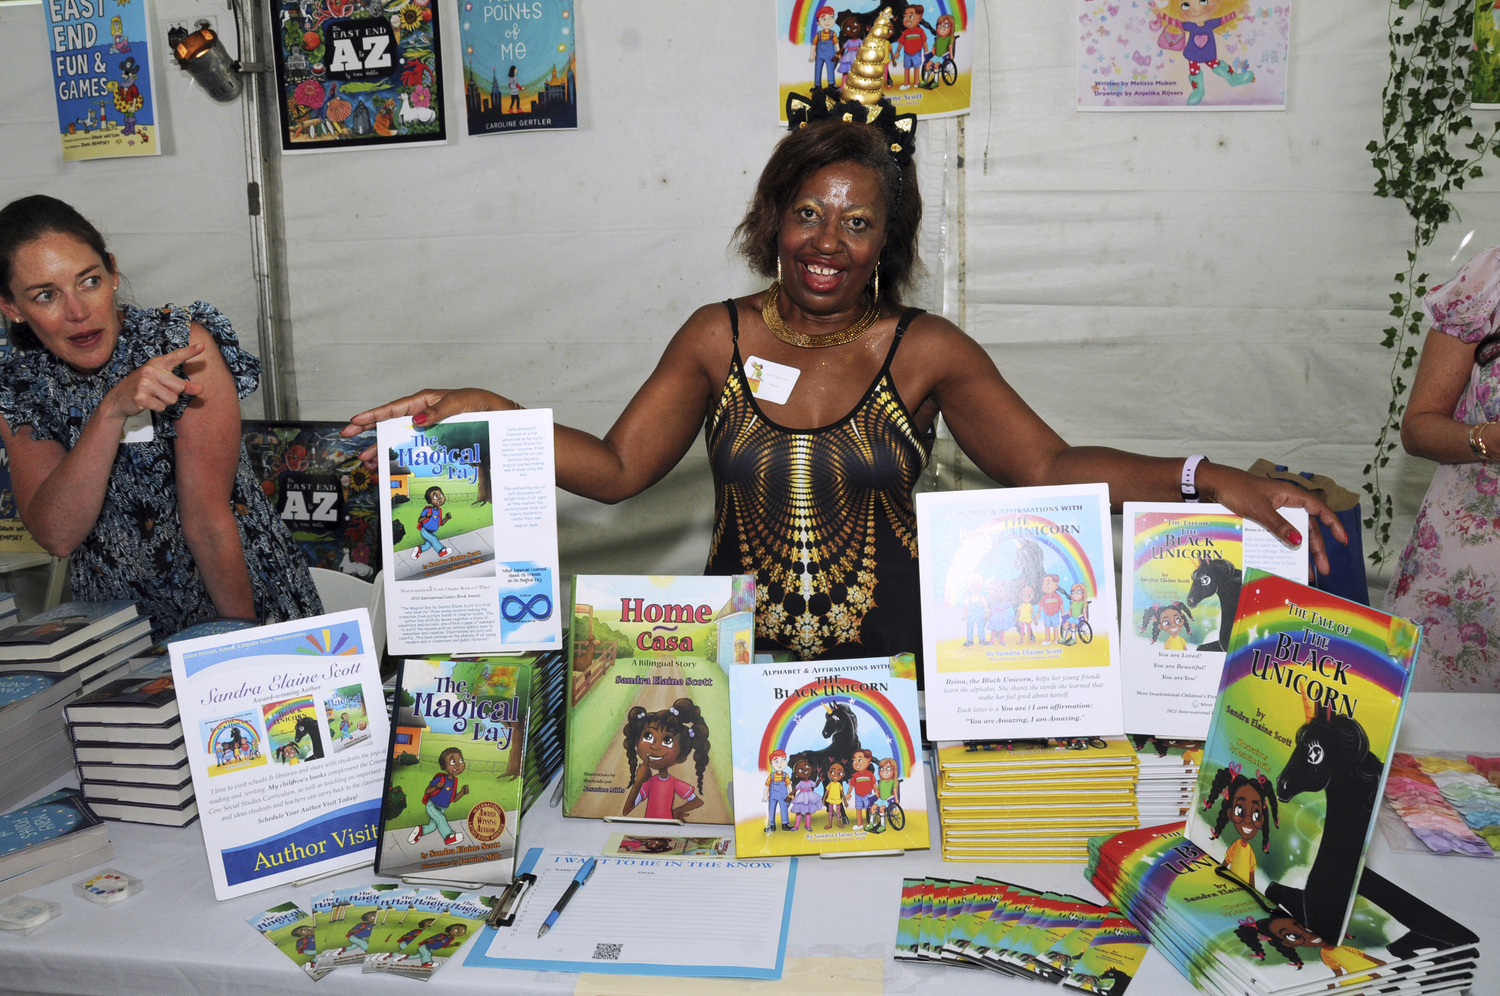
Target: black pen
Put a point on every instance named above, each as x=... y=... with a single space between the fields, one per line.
x=579 y=879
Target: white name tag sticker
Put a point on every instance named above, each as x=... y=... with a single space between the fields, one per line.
x=770 y=381
x=138 y=429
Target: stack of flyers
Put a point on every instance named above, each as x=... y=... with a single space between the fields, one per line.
x=436 y=937
x=1227 y=938
x=290 y=928
x=1033 y=800
x=343 y=921
x=1168 y=776
x=400 y=915
x=1020 y=932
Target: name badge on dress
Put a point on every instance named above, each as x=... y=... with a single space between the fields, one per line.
x=138 y=429
x=770 y=381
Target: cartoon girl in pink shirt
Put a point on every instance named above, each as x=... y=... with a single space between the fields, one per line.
x=654 y=742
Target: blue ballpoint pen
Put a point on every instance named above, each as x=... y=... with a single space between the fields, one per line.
x=579 y=879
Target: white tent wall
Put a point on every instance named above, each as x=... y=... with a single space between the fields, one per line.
x=1168 y=283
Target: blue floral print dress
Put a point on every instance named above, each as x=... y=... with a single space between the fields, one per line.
x=136 y=549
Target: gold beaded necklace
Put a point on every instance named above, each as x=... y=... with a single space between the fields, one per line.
x=781 y=330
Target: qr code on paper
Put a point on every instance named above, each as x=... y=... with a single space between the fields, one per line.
x=607 y=952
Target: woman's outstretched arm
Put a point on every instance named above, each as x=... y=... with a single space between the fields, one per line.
x=646 y=441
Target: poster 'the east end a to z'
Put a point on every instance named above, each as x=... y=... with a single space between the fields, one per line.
x=358 y=73
x=101 y=77
x=1167 y=55
x=929 y=56
x=520 y=65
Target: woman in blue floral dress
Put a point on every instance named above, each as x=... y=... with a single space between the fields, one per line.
x=123 y=428
x=1448 y=579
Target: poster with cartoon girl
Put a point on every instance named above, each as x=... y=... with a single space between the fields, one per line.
x=928 y=50
x=1179 y=55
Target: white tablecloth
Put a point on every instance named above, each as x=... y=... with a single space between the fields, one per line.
x=174 y=938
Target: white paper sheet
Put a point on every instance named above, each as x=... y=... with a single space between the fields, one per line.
x=738 y=911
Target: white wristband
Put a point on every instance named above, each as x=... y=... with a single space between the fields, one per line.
x=1190 y=477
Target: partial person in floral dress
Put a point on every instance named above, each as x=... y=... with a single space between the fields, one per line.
x=122 y=425
x=1448 y=579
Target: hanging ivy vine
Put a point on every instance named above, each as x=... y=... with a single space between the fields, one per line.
x=1428 y=147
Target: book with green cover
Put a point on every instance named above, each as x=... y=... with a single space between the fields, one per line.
x=343 y=920
x=291 y=930
x=1298 y=747
x=648 y=703
x=454 y=773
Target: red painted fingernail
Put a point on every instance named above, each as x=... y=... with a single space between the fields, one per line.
x=419 y=419
x=1296 y=538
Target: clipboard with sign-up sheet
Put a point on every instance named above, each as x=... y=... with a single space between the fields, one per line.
x=740 y=911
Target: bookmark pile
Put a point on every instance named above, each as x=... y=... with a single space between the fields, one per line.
x=1033 y=800
x=1046 y=936
x=1230 y=940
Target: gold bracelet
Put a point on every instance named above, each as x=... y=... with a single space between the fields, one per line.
x=1476 y=441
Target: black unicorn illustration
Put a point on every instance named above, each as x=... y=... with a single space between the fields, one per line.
x=841 y=730
x=1332 y=755
x=1217 y=577
x=307 y=727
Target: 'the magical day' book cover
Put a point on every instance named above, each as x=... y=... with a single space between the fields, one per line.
x=827 y=757
x=454 y=775
x=648 y=701
x=1300 y=741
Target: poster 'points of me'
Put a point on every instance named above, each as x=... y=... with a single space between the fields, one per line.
x=359 y=74
x=101 y=78
x=520 y=65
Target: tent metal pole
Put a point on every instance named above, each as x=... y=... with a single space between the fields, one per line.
x=278 y=385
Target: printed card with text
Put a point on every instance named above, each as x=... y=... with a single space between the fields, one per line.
x=469 y=531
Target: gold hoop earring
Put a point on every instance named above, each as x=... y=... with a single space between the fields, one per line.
x=877 y=281
x=778 y=267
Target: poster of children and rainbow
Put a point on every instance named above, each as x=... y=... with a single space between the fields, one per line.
x=929 y=56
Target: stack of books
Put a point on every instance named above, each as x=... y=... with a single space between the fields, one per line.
x=1033 y=800
x=544 y=732
x=43 y=664
x=132 y=759
x=1169 y=772
x=128 y=740
x=1229 y=939
x=49 y=839
x=1046 y=936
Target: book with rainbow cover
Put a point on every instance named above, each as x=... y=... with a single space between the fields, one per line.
x=1019 y=636
x=1184 y=567
x=1299 y=744
x=827 y=757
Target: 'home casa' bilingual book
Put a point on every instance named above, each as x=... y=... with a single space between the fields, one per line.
x=469 y=534
x=455 y=772
x=648 y=703
x=1301 y=738
x=1184 y=567
x=1018 y=613
x=827 y=757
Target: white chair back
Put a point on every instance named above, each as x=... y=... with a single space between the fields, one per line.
x=341 y=591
